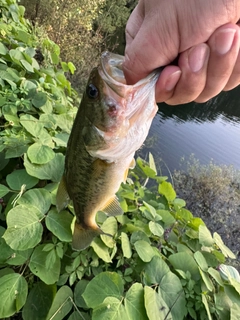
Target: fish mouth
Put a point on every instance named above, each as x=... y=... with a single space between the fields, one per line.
x=111 y=71
x=111 y=64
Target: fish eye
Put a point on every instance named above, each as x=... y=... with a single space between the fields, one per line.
x=92 y=91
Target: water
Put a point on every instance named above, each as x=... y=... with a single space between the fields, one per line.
x=209 y=131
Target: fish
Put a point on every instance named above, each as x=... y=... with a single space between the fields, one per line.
x=112 y=122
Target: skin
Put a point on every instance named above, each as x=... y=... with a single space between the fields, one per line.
x=203 y=35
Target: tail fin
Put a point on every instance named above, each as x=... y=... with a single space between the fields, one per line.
x=82 y=237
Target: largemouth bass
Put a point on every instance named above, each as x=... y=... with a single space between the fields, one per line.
x=112 y=122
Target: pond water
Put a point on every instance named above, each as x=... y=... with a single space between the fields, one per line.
x=209 y=131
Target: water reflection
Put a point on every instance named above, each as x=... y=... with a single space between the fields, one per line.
x=226 y=103
x=210 y=131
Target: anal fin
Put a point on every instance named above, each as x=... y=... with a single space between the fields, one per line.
x=112 y=207
x=62 y=197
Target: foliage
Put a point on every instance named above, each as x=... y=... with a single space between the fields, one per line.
x=161 y=262
x=212 y=192
x=82 y=29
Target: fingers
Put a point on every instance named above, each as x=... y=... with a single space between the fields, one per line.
x=193 y=65
x=234 y=80
x=224 y=46
x=204 y=70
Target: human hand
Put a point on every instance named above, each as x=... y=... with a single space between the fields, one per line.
x=203 y=34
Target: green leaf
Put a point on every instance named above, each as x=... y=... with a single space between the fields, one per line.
x=171 y=291
x=3 y=160
x=155 y=306
x=18 y=178
x=27 y=65
x=216 y=276
x=41 y=297
x=139 y=235
x=223 y=304
x=24 y=228
x=134 y=302
x=71 y=67
x=179 y=203
x=39 y=99
x=23 y=36
x=145 y=168
x=111 y=309
x=16 y=55
x=28 y=85
x=16 y=152
x=167 y=190
x=3 y=190
x=149 y=212
x=9 y=76
x=152 y=163
x=53 y=170
x=206 y=280
x=77 y=315
x=38 y=267
x=225 y=250
x=50 y=258
x=105 y=284
x=13 y=294
x=144 y=250
x=39 y=153
x=6 y=271
x=228 y=272
x=126 y=246
x=54 y=57
x=207 y=307
x=155 y=271
x=78 y=291
x=156 y=228
x=60 y=224
x=62 y=304
x=3 y=49
x=101 y=249
x=6 y=251
x=235 y=311
x=183 y=261
x=109 y=226
x=19 y=257
x=201 y=261
x=32 y=125
x=61 y=139
x=205 y=237
x=38 y=198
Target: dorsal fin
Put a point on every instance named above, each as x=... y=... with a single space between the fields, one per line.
x=62 y=197
x=112 y=207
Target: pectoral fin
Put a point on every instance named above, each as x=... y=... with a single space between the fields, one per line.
x=132 y=164
x=62 y=197
x=113 y=208
x=82 y=237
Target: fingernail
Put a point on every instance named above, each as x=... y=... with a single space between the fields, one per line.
x=197 y=57
x=172 y=80
x=224 y=40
